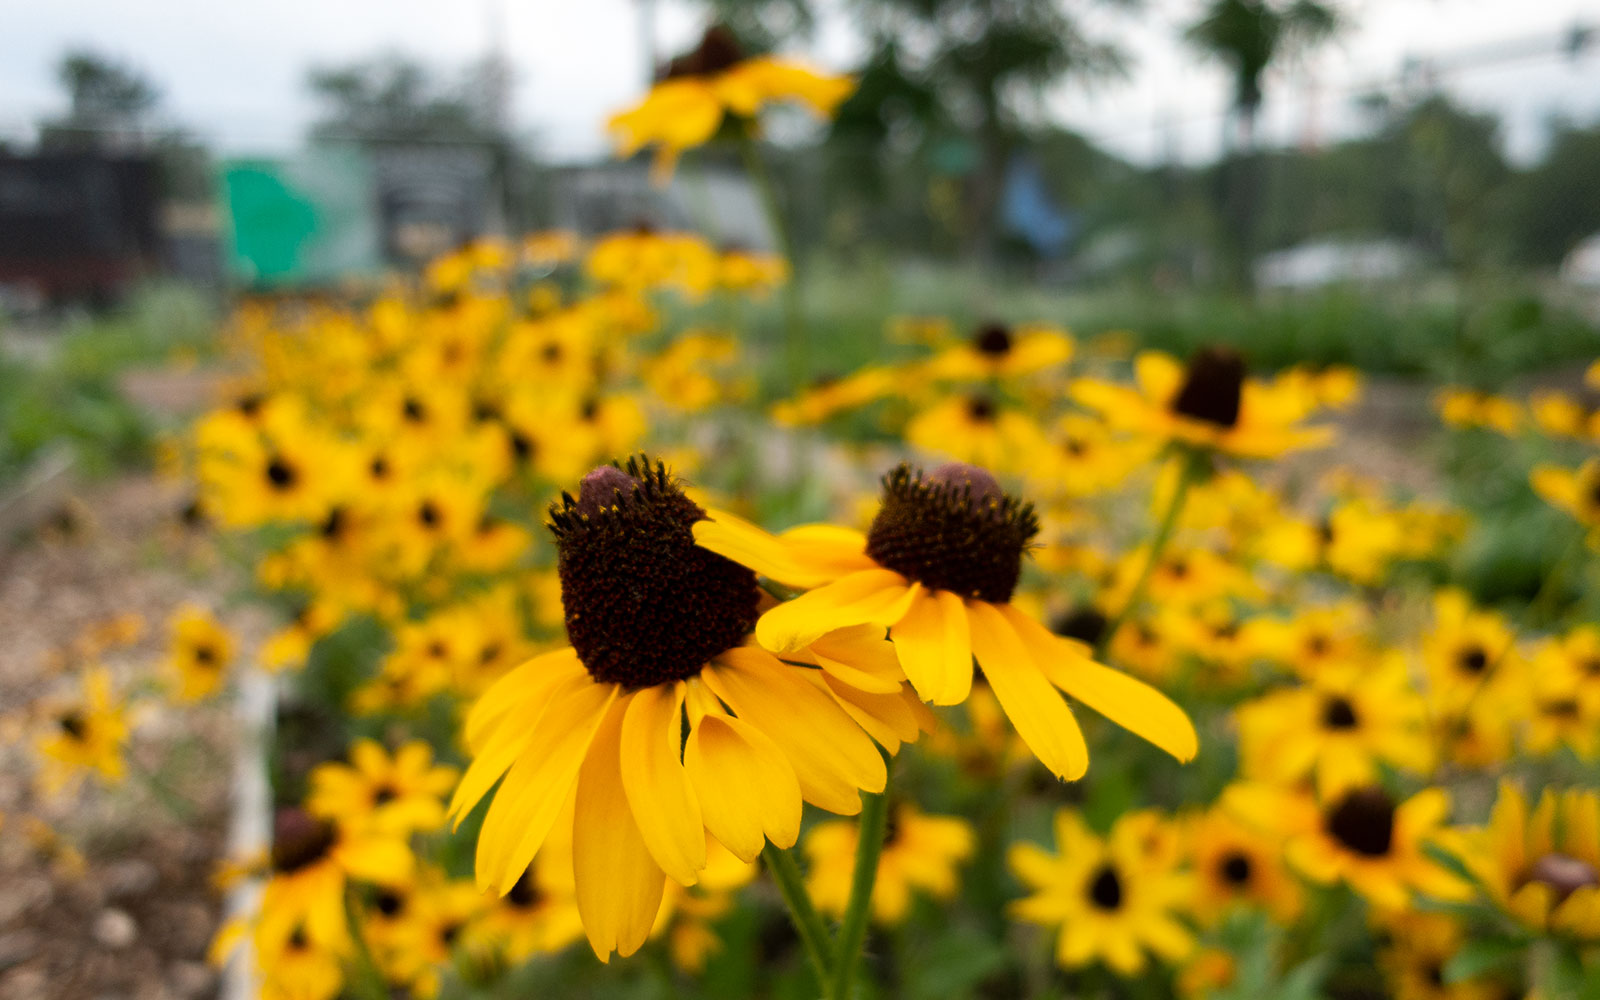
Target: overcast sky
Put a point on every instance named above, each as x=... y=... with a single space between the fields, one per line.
x=234 y=71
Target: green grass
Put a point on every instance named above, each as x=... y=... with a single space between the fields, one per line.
x=1440 y=333
x=71 y=396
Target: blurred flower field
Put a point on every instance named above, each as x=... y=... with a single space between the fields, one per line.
x=1011 y=663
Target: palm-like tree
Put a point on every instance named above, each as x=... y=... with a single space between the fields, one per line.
x=1249 y=36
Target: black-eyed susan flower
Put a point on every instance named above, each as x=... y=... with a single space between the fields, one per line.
x=82 y=735
x=938 y=568
x=1339 y=728
x=1416 y=961
x=996 y=352
x=1360 y=835
x=921 y=855
x=687 y=107
x=1574 y=491
x=1465 y=653
x=311 y=863
x=199 y=652
x=1211 y=404
x=539 y=915
x=1541 y=867
x=978 y=429
x=397 y=794
x=1235 y=864
x=659 y=631
x=1114 y=900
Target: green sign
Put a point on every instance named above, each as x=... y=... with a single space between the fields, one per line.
x=306 y=220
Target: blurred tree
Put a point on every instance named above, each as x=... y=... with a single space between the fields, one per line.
x=1249 y=37
x=1557 y=203
x=394 y=98
x=108 y=105
x=112 y=108
x=957 y=74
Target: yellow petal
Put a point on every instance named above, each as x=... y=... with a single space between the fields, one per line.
x=1131 y=704
x=934 y=643
x=664 y=805
x=748 y=791
x=748 y=545
x=1033 y=705
x=537 y=786
x=879 y=596
x=619 y=884
x=830 y=754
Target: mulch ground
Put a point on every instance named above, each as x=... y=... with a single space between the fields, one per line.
x=106 y=893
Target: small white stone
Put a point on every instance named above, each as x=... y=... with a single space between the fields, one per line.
x=115 y=929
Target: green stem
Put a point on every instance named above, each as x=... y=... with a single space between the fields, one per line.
x=813 y=935
x=853 y=931
x=1187 y=474
x=178 y=804
x=794 y=327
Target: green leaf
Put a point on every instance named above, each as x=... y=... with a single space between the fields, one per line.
x=1483 y=955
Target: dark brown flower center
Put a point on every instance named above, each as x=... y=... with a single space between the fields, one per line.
x=993 y=340
x=526 y=893
x=1363 y=821
x=73 y=724
x=280 y=474
x=718 y=50
x=1473 y=659
x=953 y=529
x=1235 y=868
x=1563 y=873
x=1338 y=713
x=644 y=604
x=980 y=409
x=1085 y=623
x=1105 y=889
x=1212 y=387
x=300 y=840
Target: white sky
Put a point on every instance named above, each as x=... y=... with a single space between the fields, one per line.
x=233 y=71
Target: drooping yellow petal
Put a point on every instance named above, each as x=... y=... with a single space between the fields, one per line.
x=748 y=545
x=747 y=789
x=879 y=596
x=537 y=786
x=830 y=754
x=1033 y=705
x=619 y=884
x=664 y=804
x=934 y=643
x=1131 y=704
x=860 y=656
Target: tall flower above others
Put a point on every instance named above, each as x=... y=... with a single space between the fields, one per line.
x=699 y=89
x=1210 y=404
x=593 y=734
x=938 y=569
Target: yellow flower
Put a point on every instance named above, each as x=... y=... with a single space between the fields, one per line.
x=1338 y=728
x=1421 y=945
x=199 y=652
x=658 y=630
x=1211 y=404
x=1542 y=868
x=829 y=396
x=687 y=107
x=977 y=430
x=1358 y=835
x=1113 y=899
x=1466 y=653
x=395 y=795
x=84 y=735
x=938 y=569
x=539 y=915
x=313 y=859
x=997 y=352
x=1465 y=408
x=442 y=917
x=1235 y=864
x=1576 y=491
x=920 y=854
